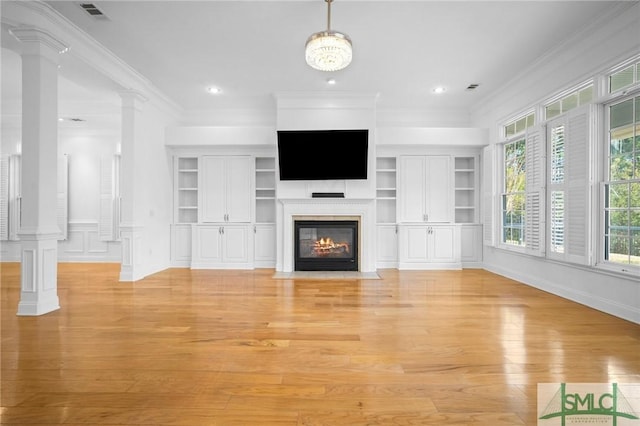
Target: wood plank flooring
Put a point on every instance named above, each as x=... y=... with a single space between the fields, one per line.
x=187 y=347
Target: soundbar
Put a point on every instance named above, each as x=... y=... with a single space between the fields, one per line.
x=327 y=195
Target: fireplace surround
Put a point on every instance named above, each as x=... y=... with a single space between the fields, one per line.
x=358 y=209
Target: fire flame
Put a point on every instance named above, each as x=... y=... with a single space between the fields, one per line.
x=327 y=246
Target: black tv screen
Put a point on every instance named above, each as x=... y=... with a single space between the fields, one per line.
x=323 y=154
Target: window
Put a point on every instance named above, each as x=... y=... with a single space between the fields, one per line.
x=622 y=184
x=513 y=197
x=519 y=125
x=624 y=77
x=582 y=95
x=522 y=197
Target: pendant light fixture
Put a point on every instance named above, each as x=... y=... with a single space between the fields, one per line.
x=328 y=50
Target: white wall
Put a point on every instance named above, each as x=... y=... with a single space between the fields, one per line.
x=586 y=55
x=85 y=146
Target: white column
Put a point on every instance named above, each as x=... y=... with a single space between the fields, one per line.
x=39 y=229
x=131 y=228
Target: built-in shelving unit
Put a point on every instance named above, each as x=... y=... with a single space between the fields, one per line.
x=265 y=189
x=186 y=190
x=386 y=190
x=465 y=190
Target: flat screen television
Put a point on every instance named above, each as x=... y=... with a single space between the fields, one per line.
x=323 y=154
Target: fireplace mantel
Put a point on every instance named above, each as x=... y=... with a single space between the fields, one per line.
x=363 y=208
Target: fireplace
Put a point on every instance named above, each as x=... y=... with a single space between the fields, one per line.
x=326 y=245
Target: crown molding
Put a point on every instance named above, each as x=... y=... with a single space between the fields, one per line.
x=82 y=47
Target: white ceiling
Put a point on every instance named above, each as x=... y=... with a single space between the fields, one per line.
x=402 y=49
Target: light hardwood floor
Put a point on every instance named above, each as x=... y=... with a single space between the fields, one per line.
x=239 y=347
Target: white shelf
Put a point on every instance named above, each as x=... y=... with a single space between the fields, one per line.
x=265 y=193
x=386 y=190
x=186 y=190
x=465 y=189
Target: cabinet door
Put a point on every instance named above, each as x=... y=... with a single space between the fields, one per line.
x=213 y=185
x=412 y=189
x=387 y=246
x=438 y=205
x=265 y=245
x=442 y=244
x=414 y=243
x=471 y=237
x=235 y=241
x=181 y=244
x=238 y=189
x=207 y=244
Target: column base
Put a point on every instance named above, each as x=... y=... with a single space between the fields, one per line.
x=131 y=240
x=38 y=275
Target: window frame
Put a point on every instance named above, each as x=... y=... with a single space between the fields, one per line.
x=502 y=159
x=605 y=179
x=594 y=175
x=565 y=94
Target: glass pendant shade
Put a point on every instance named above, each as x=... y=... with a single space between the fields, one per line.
x=328 y=51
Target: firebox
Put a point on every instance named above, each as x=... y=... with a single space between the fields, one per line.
x=326 y=245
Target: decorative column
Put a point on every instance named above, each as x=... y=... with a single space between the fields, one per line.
x=39 y=229
x=131 y=176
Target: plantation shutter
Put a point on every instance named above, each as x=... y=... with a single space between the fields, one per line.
x=578 y=201
x=63 y=196
x=106 y=229
x=534 y=227
x=4 y=198
x=556 y=188
x=488 y=196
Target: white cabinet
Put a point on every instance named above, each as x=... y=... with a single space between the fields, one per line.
x=429 y=247
x=226 y=189
x=264 y=245
x=386 y=207
x=221 y=246
x=264 y=230
x=425 y=190
x=471 y=253
x=181 y=245
x=386 y=246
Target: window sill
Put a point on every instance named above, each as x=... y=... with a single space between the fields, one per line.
x=603 y=268
x=623 y=271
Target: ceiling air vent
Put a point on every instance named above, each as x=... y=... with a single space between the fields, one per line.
x=472 y=86
x=93 y=10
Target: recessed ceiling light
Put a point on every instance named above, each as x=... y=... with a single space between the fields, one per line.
x=214 y=90
x=438 y=90
x=331 y=81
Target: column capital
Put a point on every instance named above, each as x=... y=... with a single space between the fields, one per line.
x=132 y=98
x=38 y=42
